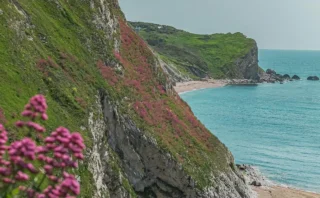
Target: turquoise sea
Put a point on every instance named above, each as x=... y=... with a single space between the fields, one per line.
x=275 y=127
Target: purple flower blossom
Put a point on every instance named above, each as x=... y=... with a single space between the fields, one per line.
x=21 y=176
x=69 y=186
x=22 y=149
x=7 y=180
x=60 y=151
x=36 y=107
x=5 y=171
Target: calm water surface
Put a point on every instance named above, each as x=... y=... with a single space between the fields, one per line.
x=273 y=126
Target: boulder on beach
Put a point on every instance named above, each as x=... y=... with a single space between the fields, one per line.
x=256 y=183
x=295 y=77
x=313 y=78
x=253 y=176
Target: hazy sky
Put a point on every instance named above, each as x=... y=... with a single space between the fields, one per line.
x=274 y=24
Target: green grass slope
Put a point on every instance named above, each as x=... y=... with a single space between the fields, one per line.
x=55 y=48
x=196 y=55
x=51 y=47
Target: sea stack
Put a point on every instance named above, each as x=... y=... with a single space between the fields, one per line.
x=295 y=77
x=314 y=78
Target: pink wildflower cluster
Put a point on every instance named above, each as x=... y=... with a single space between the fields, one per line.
x=24 y=160
x=36 y=107
x=68 y=186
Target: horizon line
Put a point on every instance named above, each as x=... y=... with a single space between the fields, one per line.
x=290 y=49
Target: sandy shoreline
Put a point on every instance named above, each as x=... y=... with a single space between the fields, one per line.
x=194 y=85
x=283 y=192
x=210 y=83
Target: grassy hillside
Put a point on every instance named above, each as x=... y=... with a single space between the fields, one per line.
x=52 y=47
x=196 y=55
x=59 y=49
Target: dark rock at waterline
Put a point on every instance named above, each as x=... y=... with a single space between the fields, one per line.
x=256 y=183
x=295 y=77
x=270 y=71
x=313 y=78
x=271 y=76
x=278 y=77
x=253 y=176
x=286 y=76
x=242 y=166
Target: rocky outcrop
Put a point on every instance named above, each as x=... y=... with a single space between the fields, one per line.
x=314 y=78
x=109 y=181
x=271 y=76
x=253 y=176
x=172 y=71
x=153 y=172
x=295 y=77
x=286 y=76
x=247 y=66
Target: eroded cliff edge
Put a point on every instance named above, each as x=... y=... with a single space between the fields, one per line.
x=189 y=56
x=102 y=80
x=152 y=171
x=247 y=66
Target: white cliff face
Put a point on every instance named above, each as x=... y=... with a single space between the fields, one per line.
x=151 y=171
x=98 y=154
x=122 y=155
x=247 y=66
x=102 y=162
x=172 y=71
x=105 y=21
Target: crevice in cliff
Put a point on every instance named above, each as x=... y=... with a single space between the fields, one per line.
x=147 y=167
x=153 y=172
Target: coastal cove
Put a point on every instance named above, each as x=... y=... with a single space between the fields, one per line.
x=271 y=126
x=276 y=157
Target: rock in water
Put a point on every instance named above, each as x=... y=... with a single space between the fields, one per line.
x=295 y=77
x=270 y=71
x=286 y=76
x=313 y=78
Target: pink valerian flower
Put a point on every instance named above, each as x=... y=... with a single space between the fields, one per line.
x=26 y=148
x=76 y=145
x=3 y=140
x=69 y=186
x=36 y=126
x=64 y=145
x=4 y=162
x=36 y=107
x=32 y=125
x=60 y=151
x=21 y=176
x=4 y=171
x=8 y=180
x=48 y=169
x=3 y=135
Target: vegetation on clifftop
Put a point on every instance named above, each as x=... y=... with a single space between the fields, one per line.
x=196 y=55
x=163 y=116
x=58 y=49
x=51 y=47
